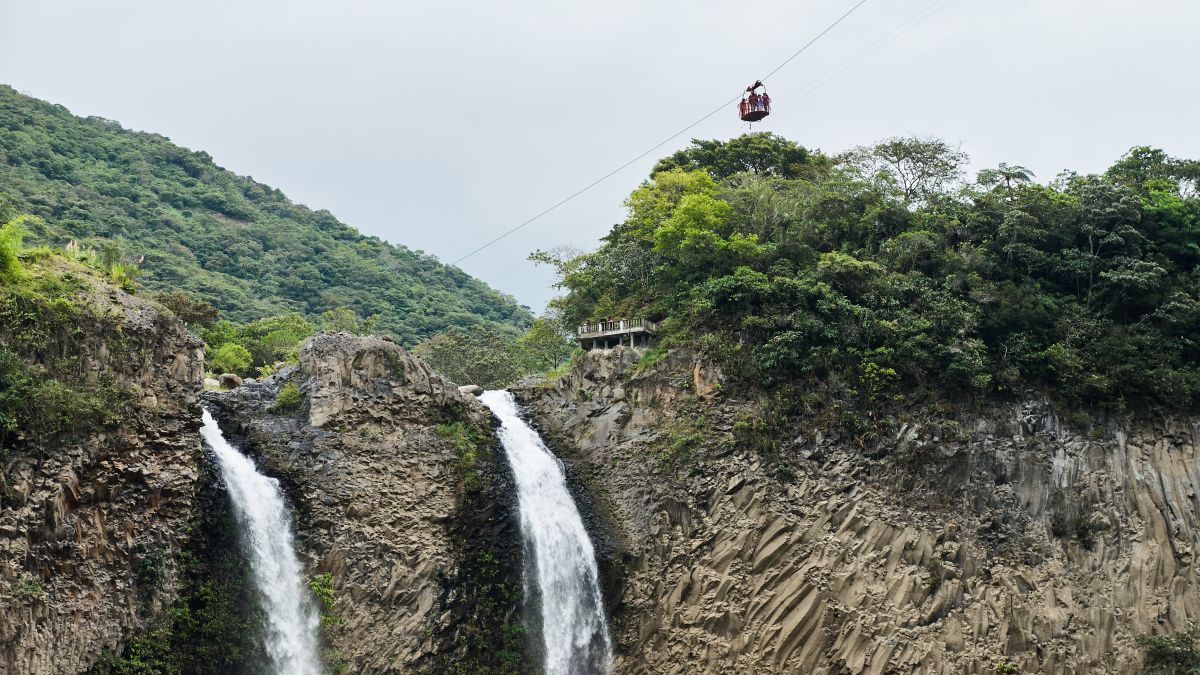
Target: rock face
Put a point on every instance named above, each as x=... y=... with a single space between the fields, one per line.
x=91 y=527
x=402 y=495
x=967 y=540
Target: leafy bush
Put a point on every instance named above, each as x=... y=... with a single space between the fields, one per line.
x=11 y=234
x=1006 y=668
x=190 y=310
x=288 y=399
x=28 y=587
x=230 y=358
x=467 y=442
x=321 y=586
x=1174 y=654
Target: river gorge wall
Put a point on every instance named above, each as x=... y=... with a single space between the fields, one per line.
x=403 y=498
x=967 y=539
x=92 y=524
x=119 y=550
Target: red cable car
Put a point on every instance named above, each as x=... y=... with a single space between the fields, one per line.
x=754 y=106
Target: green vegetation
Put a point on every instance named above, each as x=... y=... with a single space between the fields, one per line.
x=1175 y=654
x=220 y=238
x=682 y=437
x=11 y=234
x=1006 y=668
x=321 y=587
x=45 y=392
x=493 y=359
x=288 y=400
x=467 y=441
x=28 y=587
x=191 y=311
x=885 y=274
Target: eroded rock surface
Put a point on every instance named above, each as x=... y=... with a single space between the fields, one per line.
x=91 y=528
x=965 y=541
x=402 y=496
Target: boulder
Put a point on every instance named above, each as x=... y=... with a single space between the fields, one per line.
x=472 y=389
x=230 y=381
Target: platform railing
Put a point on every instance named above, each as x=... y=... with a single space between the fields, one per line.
x=598 y=328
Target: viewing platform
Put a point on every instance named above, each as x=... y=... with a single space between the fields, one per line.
x=607 y=334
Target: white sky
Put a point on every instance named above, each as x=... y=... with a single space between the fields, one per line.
x=439 y=125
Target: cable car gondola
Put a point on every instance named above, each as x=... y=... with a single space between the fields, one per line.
x=754 y=106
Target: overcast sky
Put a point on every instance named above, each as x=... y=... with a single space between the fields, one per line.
x=439 y=125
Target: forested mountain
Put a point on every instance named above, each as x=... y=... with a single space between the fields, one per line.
x=885 y=274
x=217 y=236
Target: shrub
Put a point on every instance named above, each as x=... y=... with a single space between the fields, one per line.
x=467 y=442
x=28 y=587
x=289 y=398
x=11 y=234
x=1006 y=668
x=230 y=358
x=322 y=589
x=1174 y=654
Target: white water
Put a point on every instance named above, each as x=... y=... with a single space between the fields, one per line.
x=291 y=637
x=559 y=555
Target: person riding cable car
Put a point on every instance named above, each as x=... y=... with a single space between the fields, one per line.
x=754 y=106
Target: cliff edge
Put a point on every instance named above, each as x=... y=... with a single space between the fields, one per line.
x=403 y=498
x=969 y=538
x=100 y=472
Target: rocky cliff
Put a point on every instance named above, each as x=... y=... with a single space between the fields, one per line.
x=403 y=497
x=94 y=511
x=966 y=538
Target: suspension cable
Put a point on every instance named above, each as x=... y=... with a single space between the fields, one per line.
x=670 y=138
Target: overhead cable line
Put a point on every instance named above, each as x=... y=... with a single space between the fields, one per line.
x=492 y=280
x=670 y=138
x=862 y=54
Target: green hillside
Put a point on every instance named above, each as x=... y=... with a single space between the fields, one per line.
x=241 y=245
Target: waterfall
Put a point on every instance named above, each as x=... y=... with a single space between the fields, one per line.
x=292 y=622
x=559 y=555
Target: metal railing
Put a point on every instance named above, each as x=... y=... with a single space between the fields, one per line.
x=616 y=326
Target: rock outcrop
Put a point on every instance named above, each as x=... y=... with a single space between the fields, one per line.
x=92 y=522
x=402 y=496
x=969 y=539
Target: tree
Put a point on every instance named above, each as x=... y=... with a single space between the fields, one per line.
x=545 y=345
x=919 y=168
x=479 y=356
x=1007 y=174
x=344 y=319
x=188 y=309
x=762 y=153
x=1144 y=167
x=230 y=358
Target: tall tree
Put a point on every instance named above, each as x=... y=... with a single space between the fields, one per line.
x=919 y=168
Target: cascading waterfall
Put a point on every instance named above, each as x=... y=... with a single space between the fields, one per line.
x=291 y=637
x=559 y=554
